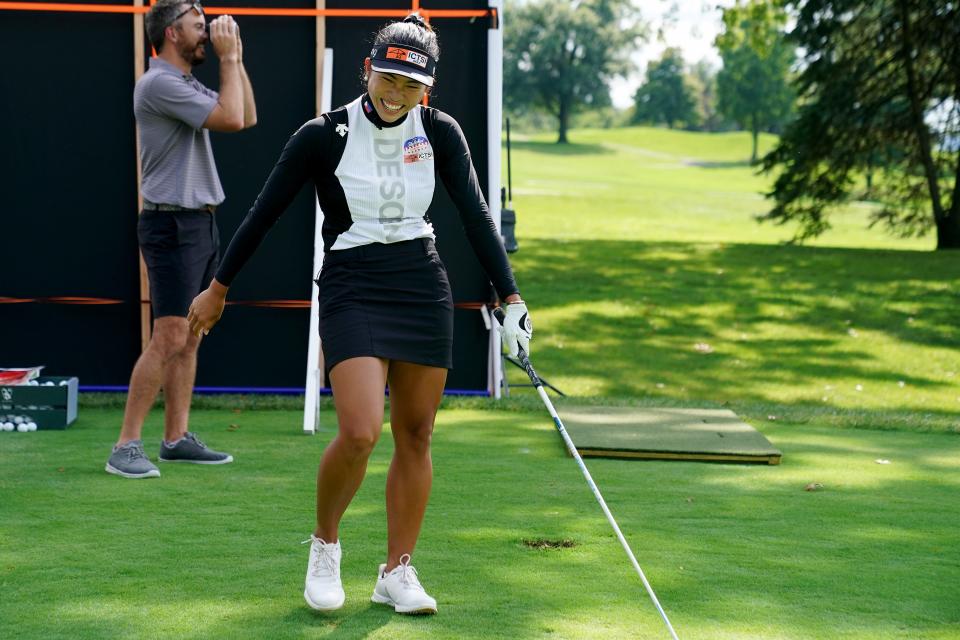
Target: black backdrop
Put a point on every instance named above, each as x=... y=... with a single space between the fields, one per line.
x=68 y=171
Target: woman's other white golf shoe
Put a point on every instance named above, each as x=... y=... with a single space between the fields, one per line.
x=402 y=590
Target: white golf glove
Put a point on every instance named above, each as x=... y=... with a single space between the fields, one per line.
x=517 y=329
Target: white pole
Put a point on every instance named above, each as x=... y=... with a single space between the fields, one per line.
x=311 y=404
x=494 y=126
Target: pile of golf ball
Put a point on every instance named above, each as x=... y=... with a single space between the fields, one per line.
x=23 y=424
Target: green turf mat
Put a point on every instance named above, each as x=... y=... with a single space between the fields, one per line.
x=666 y=434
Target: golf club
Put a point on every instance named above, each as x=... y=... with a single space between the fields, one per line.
x=535 y=379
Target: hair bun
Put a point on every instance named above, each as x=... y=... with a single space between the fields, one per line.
x=417 y=19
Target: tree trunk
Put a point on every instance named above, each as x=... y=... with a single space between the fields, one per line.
x=755 y=133
x=948 y=229
x=944 y=226
x=563 y=116
x=948 y=233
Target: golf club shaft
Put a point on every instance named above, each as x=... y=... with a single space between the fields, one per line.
x=596 y=492
x=535 y=379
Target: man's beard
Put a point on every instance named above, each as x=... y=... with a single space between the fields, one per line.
x=191 y=56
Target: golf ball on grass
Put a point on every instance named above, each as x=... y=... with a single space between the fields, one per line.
x=22 y=427
x=31 y=426
x=7 y=426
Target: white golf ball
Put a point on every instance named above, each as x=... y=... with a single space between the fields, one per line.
x=22 y=428
x=7 y=426
x=31 y=426
x=64 y=383
x=49 y=383
x=33 y=383
x=17 y=419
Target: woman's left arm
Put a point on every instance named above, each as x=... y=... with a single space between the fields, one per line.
x=455 y=167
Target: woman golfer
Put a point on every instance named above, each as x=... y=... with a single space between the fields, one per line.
x=386 y=311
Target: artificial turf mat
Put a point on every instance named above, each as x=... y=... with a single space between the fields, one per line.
x=666 y=434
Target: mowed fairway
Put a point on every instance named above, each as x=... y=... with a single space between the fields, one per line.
x=637 y=249
x=733 y=551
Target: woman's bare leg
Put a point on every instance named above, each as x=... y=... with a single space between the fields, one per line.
x=415 y=393
x=358 y=385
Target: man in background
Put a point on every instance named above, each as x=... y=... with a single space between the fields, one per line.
x=177 y=229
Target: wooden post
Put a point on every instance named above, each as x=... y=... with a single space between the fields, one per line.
x=321 y=47
x=138 y=68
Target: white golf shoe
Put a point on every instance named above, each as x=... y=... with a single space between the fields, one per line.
x=323 y=590
x=401 y=589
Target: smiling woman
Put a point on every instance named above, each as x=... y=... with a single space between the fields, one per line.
x=401 y=67
x=385 y=303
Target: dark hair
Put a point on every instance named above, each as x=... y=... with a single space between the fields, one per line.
x=159 y=18
x=412 y=31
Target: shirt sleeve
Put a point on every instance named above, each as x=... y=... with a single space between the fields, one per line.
x=296 y=164
x=460 y=178
x=176 y=98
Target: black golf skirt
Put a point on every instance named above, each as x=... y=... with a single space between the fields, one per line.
x=388 y=301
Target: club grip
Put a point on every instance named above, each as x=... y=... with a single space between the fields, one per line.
x=499 y=315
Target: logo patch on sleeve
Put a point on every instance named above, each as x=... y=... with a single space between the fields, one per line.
x=416 y=149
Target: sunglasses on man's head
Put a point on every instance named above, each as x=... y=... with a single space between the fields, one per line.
x=193 y=7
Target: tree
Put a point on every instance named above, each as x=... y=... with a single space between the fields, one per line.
x=560 y=56
x=665 y=96
x=880 y=92
x=752 y=87
x=702 y=80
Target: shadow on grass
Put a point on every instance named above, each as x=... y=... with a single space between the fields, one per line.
x=730 y=164
x=732 y=551
x=569 y=149
x=784 y=316
x=342 y=624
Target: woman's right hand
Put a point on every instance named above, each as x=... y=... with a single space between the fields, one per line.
x=206 y=308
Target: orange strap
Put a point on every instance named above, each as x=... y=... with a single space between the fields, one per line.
x=271 y=304
x=305 y=304
x=60 y=300
x=248 y=11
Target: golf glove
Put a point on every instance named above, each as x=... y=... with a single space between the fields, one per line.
x=517 y=329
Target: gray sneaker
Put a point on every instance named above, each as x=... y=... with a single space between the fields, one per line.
x=191 y=449
x=129 y=460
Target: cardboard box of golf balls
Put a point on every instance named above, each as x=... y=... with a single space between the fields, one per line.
x=48 y=402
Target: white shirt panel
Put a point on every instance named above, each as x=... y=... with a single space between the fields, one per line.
x=388 y=178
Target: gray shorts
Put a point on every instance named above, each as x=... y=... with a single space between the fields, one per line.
x=181 y=250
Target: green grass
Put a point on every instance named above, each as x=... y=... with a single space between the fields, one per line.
x=636 y=246
x=733 y=551
x=646 y=247
x=649 y=184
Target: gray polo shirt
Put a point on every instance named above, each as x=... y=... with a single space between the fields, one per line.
x=175 y=153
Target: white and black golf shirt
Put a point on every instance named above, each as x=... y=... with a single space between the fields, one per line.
x=375 y=181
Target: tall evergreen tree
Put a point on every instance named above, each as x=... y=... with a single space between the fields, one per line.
x=880 y=92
